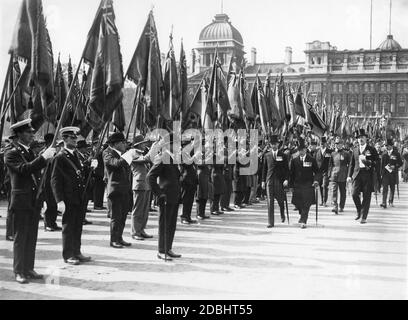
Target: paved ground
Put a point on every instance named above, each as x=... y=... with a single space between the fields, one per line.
x=232 y=256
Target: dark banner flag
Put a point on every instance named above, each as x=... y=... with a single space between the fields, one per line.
x=171 y=108
x=31 y=43
x=183 y=80
x=145 y=71
x=107 y=73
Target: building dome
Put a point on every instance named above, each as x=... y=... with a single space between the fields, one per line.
x=220 y=29
x=389 y=44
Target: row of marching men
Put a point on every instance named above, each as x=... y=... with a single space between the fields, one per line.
x=309 y=170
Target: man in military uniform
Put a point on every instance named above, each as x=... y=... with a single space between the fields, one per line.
x=68 y=186
x=304 y=177
x=9 y=221
x=99 y=183
x=118 y=172
x=390 y=163
x=82 y=149
x=323 y=155
x=338 y=170
x=361 y=173
x=168 y=191
x=25 y=170
x=275 y=178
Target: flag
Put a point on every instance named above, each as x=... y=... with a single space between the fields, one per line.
x=31 y=43
x=107 y=73
x=183 y=80
x=59 y=89
x=220 y=94
x=171 y=107
x=118 y=118
x=194 y=112
x=272 y=109
x=234 y=95
x=245 y=97
x=258 y=101
x=291 y=108
x=318 y=127
x=145 y=71
x=299 y=105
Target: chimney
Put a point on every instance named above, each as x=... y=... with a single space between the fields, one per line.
x=253 y=56
x=288 y=55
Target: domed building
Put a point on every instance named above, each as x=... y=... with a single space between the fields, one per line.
x=389 y=44
x=219 y=35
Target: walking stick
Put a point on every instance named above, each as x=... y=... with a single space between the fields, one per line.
x=317 y=206
x=286 y=204
x=398 y=190
x=165 y=230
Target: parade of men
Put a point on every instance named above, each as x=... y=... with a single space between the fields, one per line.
x=152 y=151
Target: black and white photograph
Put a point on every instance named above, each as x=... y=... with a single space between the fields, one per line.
x=203 y=152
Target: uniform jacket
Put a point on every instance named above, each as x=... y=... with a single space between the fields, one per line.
x=370 y=163
x=169 y=181
x=275 y=168
x=217 y=178
x=338 y=166
x=67 y=182
x=25 y=175
x=203 y=189
x=117 y=173
x=189 y=177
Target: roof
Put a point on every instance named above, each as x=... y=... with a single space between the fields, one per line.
x=221 y=29
x=390 y=44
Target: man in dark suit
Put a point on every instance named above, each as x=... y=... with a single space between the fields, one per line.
x=338 y=170
x=323 y=155
x=68 y=186
x=189 y=183
x=117 y=163
x=99 y=183
x=390 y=163
x=25 y=175
x=361 y=173
x=168 y=192
x=275 y=178
x=304 y=177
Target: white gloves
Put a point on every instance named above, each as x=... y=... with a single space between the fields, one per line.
x=44 y=207
x=349 y=179
x=61 y=207
x=285 y=183
x=130 y=155
x=263 y=185
x=49 y=153
x=94 y=163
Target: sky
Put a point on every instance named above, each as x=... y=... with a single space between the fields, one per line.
x=267 y=25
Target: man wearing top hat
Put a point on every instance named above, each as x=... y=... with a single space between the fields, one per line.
x=275 y=178
x=118 y=172
x=141 y=189
x=25 y=175
x=390 y=163
x=303 y=178
x=338 y=170
x=361 y=173
x=323 y=155
x=68 y=186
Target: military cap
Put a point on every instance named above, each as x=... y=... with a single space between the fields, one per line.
x=22 y=126
x=69 y=131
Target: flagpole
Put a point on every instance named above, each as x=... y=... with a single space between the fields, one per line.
x=3 y=94
x=84 y=80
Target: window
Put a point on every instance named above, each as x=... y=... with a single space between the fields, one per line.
x=319 y=60
x=368 y=105
x=208 y=59
x=352 y=103
x=385 y=104
x=316 y=87
x=402 y=86
x=401 y=105
x=353 y=87
x=385 y=87
x=369 y=87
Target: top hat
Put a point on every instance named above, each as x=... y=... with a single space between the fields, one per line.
x=301 y=144
x=274 y=139
x=323 y=140
x=390 y=142
x=116 y=137
x=361 y=133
